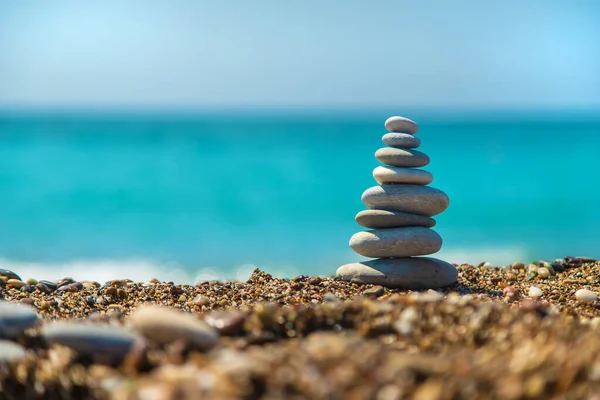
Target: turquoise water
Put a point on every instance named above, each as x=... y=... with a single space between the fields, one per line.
x=211 y=196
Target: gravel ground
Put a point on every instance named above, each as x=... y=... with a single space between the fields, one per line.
x=490 y=336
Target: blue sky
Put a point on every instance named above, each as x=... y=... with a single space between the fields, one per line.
x=196 y=54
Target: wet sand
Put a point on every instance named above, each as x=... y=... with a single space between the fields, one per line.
x=321 y=338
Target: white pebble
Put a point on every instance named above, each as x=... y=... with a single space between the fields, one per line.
x=488 y=264
x=543 y=272
x=586 y=296
x=404 y=325
x=535 y=292
x=409 y=315
x=166 y=325
x=428 y=296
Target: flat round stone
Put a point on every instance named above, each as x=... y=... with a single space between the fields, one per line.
x=388 y=174
x=396 y=242
x=15 y=319
x=401 y=140
x=91 y=339
x=413 y=199
x=378 y=219
x=401 y=157
x=401 y=125
x=165 y=325
x=406 y=273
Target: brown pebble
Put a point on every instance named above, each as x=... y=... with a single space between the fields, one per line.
x=315 y=280
x=28 y=300
x=112 y=291
x=175 y=291
x=71 y=287
x=518 y=265
x=374 y=291
x=15 y=284
x=43 y=288
x=511 y=293
x=66 y=281
x=88 y=285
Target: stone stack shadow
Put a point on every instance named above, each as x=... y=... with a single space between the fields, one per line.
x=399 y=218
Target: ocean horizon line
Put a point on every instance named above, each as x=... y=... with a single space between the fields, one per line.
x=434 y=114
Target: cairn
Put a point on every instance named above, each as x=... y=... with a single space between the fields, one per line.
x=399 y=218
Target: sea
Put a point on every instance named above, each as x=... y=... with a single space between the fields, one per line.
x=188 y=196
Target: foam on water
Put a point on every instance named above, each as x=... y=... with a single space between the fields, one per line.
x=141 y=270
x=138 y=270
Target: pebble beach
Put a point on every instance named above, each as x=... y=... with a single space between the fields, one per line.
x=526 y=331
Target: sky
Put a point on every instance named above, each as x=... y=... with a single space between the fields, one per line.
x=194 y=54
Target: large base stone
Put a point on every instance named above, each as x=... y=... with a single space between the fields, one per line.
x=406 y=273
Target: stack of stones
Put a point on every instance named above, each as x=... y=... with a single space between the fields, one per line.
x=399 y=214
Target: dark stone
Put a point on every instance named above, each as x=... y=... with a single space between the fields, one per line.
x=176 y=291
x=586 y=260
x=27 y=289
x=9 y=274
x=71 y=287
x=315 y=280
x=42 y=287
x=558 y=267
x=573 y=262
x=64 y=282
x=51 y=285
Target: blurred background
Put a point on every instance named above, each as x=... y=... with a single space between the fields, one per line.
x=191 y=140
